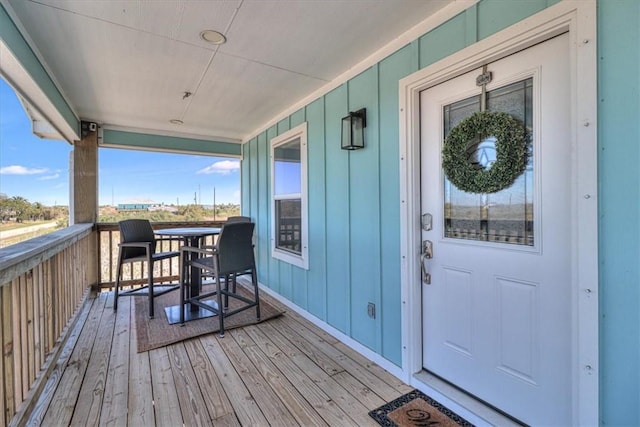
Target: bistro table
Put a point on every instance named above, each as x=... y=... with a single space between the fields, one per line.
x=192 y=237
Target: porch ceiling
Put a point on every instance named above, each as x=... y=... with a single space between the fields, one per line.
x=128 y=64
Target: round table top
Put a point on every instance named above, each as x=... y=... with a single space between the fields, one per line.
x=188 y=231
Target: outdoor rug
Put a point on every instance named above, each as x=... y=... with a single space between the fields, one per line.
x=157 y=332
x=416 y=409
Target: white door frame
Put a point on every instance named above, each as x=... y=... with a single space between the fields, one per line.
x=579 y=19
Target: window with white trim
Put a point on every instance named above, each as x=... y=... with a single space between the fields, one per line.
x=289 y=234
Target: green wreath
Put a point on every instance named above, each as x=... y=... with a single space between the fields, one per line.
x=511 y=152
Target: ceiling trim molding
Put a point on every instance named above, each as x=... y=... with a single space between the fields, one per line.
x=160 y=132
x=433 y=21
x=113 y=138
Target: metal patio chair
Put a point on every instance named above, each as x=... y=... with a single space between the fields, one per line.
x=231 y=256
x=238 y=218
x=138 y=243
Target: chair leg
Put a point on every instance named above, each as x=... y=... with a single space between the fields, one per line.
x=220 y=307
x=183 y=281
x=226 y=293
x=117 y=287
x=150 y=288
x=254 y=280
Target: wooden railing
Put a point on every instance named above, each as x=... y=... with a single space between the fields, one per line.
x=109 y=238
x=43 y=282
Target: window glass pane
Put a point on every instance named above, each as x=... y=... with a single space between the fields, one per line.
x=288 y=225
x=458 y=111
x=289 y=238
x=505 y=216
x=287 y=168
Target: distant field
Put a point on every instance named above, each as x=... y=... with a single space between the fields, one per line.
x=13 y=235
x=14 y=225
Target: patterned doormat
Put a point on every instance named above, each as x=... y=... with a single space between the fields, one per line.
x=416 y=409
x=157 y=332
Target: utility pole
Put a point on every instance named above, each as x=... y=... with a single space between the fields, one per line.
x=214 y=203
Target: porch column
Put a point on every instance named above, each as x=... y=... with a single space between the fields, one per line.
x=84 y=180
x=83 y=188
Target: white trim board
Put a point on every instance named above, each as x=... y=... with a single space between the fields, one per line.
x=579 y=19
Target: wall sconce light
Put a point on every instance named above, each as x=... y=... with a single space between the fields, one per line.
x=353 y=130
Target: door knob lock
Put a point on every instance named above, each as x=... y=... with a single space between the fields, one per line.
x=427 y=222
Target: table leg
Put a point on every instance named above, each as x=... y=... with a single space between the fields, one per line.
x=193 y=312
x=195 y=279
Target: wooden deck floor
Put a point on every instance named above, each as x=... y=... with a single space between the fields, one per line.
x=282 y=372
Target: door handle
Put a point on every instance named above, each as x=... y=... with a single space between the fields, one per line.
x=427 y=253
x=426 y=276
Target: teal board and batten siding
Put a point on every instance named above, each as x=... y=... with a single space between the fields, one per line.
x=354 y=211
x=619 y=210
x=354 y=196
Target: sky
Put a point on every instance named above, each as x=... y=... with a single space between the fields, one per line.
x=38 y=169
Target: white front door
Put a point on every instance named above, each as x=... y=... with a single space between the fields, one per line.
x=497 y=318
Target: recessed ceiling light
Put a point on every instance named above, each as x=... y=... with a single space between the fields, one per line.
x=176 y=121
x=213 y=37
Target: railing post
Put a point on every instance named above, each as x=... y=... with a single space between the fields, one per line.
x=84 y=193
x=84 y=180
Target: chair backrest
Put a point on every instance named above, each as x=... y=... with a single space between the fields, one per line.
x=238 y=219
x=235 y=247
x=136 y=230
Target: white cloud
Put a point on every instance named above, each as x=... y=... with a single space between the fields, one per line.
x=224 y=167
x=21 y=170
x=49 y=177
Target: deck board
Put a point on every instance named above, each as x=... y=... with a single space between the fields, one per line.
x=245 y=406
x=66 y=394
x=116 y=391
x=89 y=405
x=257 y=384
x=51 y=387
x=291 y=355
x=215 y=398
x=195 y=411
x=165 y=395
x=140 y=404
x=284 y=372
x=292 y=393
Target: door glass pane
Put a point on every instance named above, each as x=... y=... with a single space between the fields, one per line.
x=505 y=216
